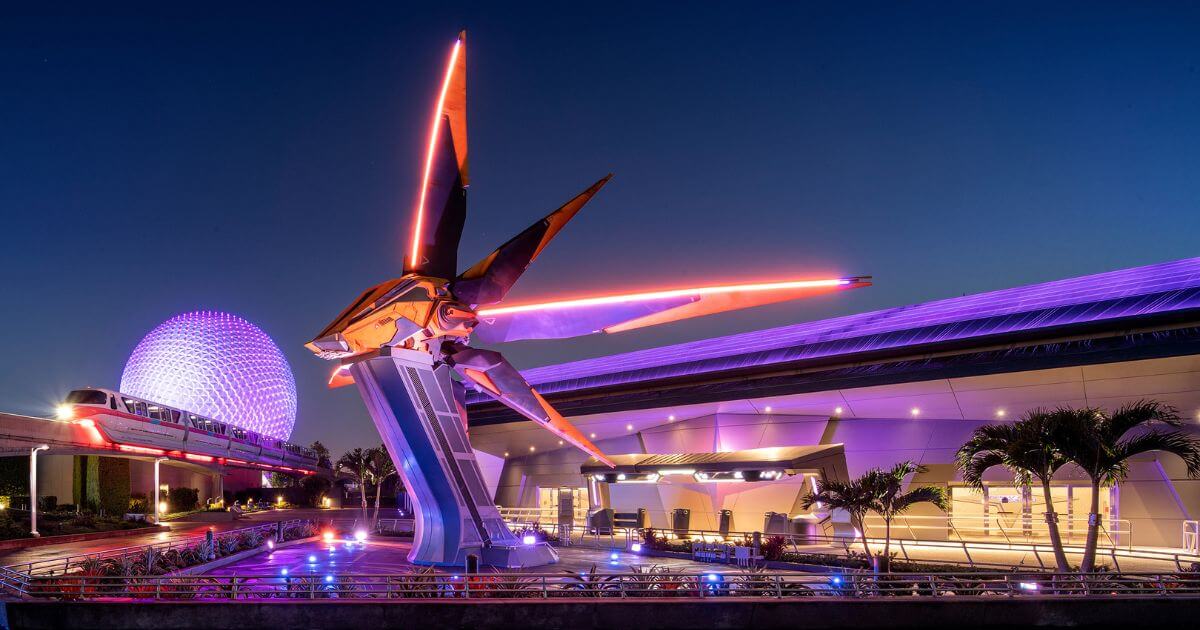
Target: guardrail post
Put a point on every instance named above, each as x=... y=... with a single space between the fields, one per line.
x=778 y=586
x=545 y=593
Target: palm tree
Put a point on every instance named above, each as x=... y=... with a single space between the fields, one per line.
x=1102 y=444
x=851 y=496
x=381 y=467
x=357 y=463
x=890 y=499
x=1028 y=449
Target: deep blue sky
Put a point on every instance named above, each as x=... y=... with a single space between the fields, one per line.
x=264 y=161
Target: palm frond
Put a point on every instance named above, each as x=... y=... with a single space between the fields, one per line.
x=923 y=494
x=1142 y=412
x=1177 y=443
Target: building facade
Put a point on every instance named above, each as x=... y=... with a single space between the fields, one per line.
x=909 y=383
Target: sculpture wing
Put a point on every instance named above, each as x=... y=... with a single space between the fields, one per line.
x=616 y=313
x=489 y=280
x=442 y=206
x=496 y=377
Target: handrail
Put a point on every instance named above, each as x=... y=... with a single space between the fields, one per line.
x=1118 y=532
x=915 y=550
x=64 y=564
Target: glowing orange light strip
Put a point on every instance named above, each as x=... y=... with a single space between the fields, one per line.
x=659 y=295
x=433 y=138
x=140 y=449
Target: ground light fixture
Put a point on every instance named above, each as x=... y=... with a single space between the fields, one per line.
x=360 y=536
x=327 y=536
x=529 y=539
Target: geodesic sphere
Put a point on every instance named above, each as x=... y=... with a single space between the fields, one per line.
x=215 y=365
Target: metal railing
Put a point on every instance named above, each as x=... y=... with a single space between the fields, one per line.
x=394 y=526
x=650 y=583
x=1011 y=529
x=971 y=553
x=64 y=565
x=1191 y=536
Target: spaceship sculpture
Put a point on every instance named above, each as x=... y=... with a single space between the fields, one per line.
x=401 y=339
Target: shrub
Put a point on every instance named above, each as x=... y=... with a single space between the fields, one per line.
x=139 y=504
x=183 y=499
x=315 y=487
x=772 y=548
x=113 y=479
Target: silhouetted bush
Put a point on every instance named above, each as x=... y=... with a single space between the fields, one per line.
x=183 y=499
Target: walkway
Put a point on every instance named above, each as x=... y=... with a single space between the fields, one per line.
x=179 y=530
x=379 y=556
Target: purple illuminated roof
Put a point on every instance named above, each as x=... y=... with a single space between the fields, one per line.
x=1153 y=289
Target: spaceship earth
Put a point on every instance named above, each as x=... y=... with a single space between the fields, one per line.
x=215 y=365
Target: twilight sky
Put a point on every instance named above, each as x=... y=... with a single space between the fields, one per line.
x=265 y=161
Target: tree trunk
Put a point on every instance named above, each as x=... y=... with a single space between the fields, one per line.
x=1093 y=533
x=362 y=495
x=887 y=545
x=861 y=525
x=1060 y=556
x=378 y=491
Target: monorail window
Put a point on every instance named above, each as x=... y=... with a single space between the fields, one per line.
x=87 y=397
x=173 y=415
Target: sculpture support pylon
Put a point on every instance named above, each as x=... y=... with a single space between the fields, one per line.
x=412 y=404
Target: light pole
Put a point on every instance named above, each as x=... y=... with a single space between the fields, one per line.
x=33 y=488
x=158 y=511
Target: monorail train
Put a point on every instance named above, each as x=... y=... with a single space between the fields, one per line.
x=140 y=425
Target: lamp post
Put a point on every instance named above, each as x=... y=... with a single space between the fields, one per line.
x=158 y=511
x=33 y=488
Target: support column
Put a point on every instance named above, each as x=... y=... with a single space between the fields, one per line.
x=158 y=511
x=33 y=496
x=218 y=485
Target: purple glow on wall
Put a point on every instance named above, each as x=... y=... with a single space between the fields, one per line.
x=216 y=365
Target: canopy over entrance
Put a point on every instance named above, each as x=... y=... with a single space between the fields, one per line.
x=826 y=460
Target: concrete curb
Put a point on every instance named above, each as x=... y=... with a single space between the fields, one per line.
x=25 y=543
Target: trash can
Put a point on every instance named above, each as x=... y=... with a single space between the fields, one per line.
x=808 y=528
x=725 y=522
x=776 y=523
x=681 y=520
x=601 y=521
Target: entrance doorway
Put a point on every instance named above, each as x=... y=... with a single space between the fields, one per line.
x=1015 y=514
x=549 y=499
